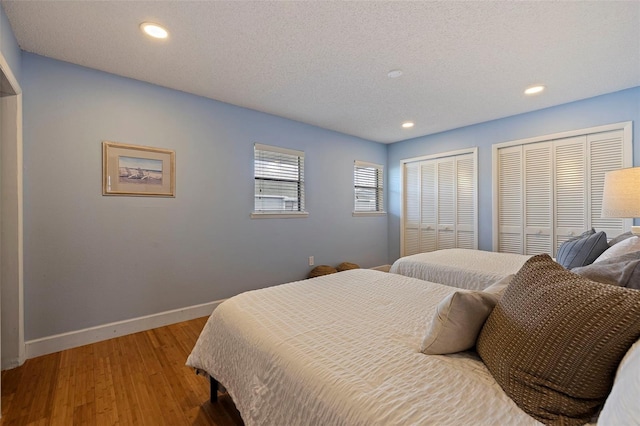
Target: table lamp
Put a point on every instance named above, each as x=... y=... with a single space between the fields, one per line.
x=621 y=195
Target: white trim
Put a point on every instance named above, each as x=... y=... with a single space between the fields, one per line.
x=18 y=187
x=287 y=215
x=473 y=150
x=356 y=214
x=73 y=339
x=9 y=74
x=624 y=125
x=286 y=151
x=358 y=163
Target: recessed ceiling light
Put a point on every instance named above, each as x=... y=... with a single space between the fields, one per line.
x=407 y=124
x=154 y=30
x=534 y=89
x=394 y=73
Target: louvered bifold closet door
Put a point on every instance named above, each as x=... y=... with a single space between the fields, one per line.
x=466 y=236
x=446 y=204
x=411 y=209
x=570 y=188
x=428 y=208
x=538 y=201
x=606 y=154
x=510 y=200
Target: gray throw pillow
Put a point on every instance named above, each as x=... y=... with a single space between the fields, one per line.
x=621 y=270
x=582 y=251
x=621 y=237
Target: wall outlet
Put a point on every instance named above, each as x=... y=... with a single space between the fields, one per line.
x=311 y=261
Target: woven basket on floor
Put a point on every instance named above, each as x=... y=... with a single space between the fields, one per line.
x=345 y=266
x=322 y=270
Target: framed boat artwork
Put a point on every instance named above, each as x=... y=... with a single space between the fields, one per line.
x=137 y=170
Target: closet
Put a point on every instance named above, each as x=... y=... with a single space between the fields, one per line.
x=549 y=189
x=439 y=202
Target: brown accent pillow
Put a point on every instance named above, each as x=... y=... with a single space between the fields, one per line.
x=554 y=340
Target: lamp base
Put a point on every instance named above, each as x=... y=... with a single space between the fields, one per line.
x=635 y=230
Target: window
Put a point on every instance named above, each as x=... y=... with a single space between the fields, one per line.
x=368 y=188
x=279 y=182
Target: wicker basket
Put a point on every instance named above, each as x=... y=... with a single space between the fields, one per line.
x=322 y=270
x=345 y=266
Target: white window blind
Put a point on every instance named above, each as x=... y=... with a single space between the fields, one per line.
x=368 y=188
x=279 y=181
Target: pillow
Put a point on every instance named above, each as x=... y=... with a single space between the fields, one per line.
x=457 y=322
x=499 y=286
x=554 y=340
x=623 y=247
x=622 y=270
x=581 y=251
x=621 y=237
x=621 y=407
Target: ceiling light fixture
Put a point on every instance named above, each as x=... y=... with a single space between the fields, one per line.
x=407 y=124
x=394 y=73
x=154 y=30
x=534 y=89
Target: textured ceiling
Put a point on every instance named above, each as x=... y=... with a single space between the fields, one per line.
x=326 y=63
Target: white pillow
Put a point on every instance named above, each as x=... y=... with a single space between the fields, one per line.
x=457 y=322
x=498 y=288
x=622 y=405
x=623 y=247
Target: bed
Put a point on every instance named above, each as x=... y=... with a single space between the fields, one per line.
x=344 y=349
x=462 y=268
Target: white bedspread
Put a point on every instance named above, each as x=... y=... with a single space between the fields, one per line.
x=462 y=268
x=343 y=349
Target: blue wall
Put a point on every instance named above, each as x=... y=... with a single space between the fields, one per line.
x=91 y=259
x=606 y=109
x=9 y=45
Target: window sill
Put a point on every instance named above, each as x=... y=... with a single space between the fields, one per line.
x=365 y=214
x=287 y=215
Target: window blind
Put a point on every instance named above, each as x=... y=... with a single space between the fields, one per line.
x=368 y=182
x=279 y=180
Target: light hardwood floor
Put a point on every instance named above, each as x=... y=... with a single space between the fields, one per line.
x=138 y=379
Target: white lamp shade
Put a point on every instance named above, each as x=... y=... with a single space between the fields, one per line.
x=621 y=196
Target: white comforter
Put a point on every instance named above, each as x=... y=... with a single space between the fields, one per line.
x=343 y=349
x=462 y=268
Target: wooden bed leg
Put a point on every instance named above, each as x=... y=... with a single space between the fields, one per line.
x=213 y=389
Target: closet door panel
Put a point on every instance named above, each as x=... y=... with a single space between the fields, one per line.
x=538 y=201
x=510 y=239
x=466 y=202
x=446 y=204
x=570 y=189
x=429 y=203
x=411 y=210
x=606 y=154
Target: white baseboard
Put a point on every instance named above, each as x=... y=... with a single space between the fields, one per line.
x=73 y=339
x=8 y=364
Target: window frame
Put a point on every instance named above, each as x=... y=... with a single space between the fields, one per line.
x=280 y=214
x=379 y=188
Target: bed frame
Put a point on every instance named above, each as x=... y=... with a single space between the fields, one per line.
x=213 y=390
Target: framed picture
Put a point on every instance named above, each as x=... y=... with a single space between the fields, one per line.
x=138 y=170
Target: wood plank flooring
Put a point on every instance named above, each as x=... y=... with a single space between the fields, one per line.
x=138 y=379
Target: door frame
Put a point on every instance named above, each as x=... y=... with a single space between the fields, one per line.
x=11 y=210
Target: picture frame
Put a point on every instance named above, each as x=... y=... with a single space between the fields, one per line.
x=140 y=171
